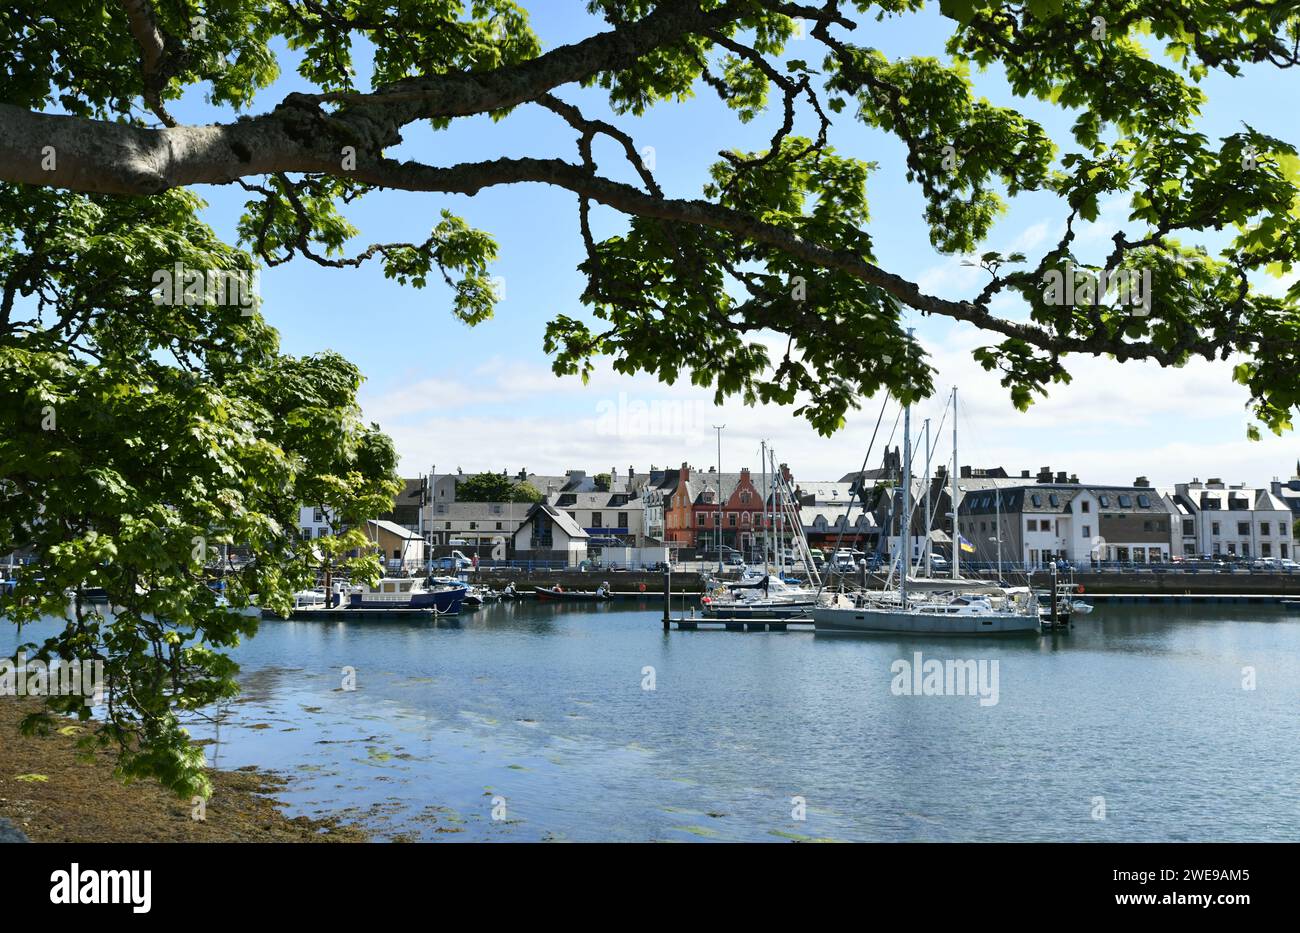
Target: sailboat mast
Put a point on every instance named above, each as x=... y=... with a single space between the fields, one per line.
x=905 y=531
x=766 y=533
x=927 y=497
x=997 y=500
x=956 y=534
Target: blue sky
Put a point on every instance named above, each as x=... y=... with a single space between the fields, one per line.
x=484 y=398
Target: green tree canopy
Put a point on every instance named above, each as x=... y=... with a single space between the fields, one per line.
x=495 y=487
x=778 y=242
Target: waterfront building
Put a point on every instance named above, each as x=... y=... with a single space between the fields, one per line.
x=550 y=534
x=400 y=548
x=1288 y=491
x=1233 y=520
x=614 y=519
x=1052 y=519
x=479 y=526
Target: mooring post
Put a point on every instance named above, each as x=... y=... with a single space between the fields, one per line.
x=668 y=594
x=1054 y=619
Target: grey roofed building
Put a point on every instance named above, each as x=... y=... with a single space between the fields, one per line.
x=1082 y=522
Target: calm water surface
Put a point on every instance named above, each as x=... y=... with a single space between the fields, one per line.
x=542 y=708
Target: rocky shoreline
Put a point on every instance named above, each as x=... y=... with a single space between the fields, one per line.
x=50 y=793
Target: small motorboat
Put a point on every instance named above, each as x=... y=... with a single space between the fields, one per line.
x=558 y=593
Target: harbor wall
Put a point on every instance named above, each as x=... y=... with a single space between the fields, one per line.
x=1099 y=583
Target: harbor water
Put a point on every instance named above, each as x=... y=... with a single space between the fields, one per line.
x=525 y=721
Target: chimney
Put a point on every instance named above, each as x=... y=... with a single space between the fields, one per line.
x=1024 y=474
x=523 y=474
x=1045 y=475
x=1060 y=476
x=1074 y=478
x=1214 y=482
x=630 y=473
x=1142 y=482
x=965 y=472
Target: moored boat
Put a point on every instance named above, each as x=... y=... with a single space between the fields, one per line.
x=441 y=595
x=958 y=615
x=558 y=594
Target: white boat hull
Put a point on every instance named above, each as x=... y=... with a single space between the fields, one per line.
x=922 y=623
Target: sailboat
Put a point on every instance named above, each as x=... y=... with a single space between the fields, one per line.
x=925 y=608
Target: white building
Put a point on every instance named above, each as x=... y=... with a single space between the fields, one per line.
x=612 y=517
x=1232 y=520
x=474 y=524
x=551 y=534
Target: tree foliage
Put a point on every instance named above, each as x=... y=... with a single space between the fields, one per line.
x=495 y=487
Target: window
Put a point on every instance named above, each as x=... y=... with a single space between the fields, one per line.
x=1085 y=506
x=1243 y=528
x=1055 y=500
x=317 y=516
x=498 y=526
x=1263 y=528
x=1148 y=526
x=1033 y=525
x=622 y=519
x=1144 y=500
x=596 y=520
x=1266 y=550
x=1189 y=528
x=1037 y=500
x=1104 y=501
x=1086 y=531
x=473 y=526
x=1125 y=501
x=306 y=534
x=1214 y=528
x=731 y=519
x=744 y=518
x=700 y=519
x=744 y=496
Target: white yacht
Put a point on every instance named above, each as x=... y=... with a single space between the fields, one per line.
x=965 y=614
x=961 y=607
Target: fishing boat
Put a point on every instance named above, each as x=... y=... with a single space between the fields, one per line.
x=557 y=593
x=443 y=595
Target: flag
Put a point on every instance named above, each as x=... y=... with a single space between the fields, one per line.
x=965 y=545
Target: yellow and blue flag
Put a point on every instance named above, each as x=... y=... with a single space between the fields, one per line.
x=965 y=545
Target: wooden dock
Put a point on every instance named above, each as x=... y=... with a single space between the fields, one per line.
x=694 y=623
